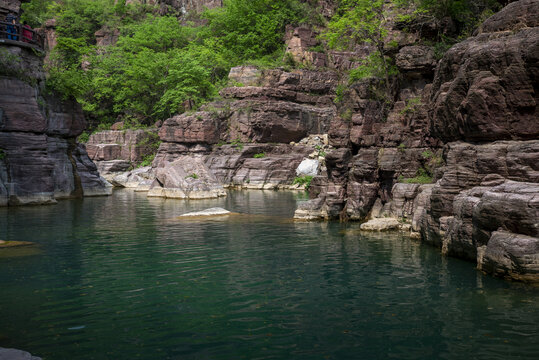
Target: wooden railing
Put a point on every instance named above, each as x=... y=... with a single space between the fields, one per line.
x=17 y=34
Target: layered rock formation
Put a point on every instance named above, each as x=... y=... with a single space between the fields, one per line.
x=251 y=138
x=40 y=160
x=449 y=147
x=472 y=126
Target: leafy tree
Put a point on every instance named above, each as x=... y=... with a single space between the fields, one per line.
x=361 y=21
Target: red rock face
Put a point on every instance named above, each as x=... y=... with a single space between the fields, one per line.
x=40 y=160
x=485 y=87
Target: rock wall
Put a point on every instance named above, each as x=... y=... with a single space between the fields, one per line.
x=471 y=124
x=40 y=160
x=450 y=146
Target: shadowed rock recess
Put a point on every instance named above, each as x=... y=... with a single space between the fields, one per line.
x=40 y=160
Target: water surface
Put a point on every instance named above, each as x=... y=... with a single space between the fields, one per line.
x=121 y=277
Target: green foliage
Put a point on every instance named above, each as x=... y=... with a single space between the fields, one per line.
x=2 y=154
x=422 y=177
x=427 y=154
x=401 y=147
x=83 y=138
x=10 y=64
x=340 y=91
x=238 y=144
x=260 y=155
x=192 y=176
x=147 y=160
x=303 y=181
x=362 y=21
x=320 y=150
x=347 y=115
x=374 y=65
x=158 y=65
x=251 y=29
x=36 y=12
x=411 y=105
x=466 y=14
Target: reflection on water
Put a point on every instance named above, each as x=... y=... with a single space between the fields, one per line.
x=122 y=278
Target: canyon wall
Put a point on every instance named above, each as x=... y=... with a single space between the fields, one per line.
x=449 y=146
x=40 y=160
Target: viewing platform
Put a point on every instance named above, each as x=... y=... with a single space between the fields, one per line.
x=19 y=35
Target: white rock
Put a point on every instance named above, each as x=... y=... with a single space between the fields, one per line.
x=308 y=167
x=208 y=212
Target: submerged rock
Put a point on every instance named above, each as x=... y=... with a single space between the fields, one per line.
x=11 y=244
x=14 y=354
x=208 y=212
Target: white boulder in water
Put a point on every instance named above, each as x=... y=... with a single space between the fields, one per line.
x=208 y=212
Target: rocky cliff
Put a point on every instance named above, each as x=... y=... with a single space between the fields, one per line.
x=40 y=160
x=449 y=147
x=473 y=126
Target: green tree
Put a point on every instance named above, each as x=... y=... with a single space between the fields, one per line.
x=361 y=21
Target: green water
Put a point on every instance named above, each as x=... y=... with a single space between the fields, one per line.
x=122 y=278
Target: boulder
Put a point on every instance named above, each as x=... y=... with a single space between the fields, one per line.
x=186 y=178
x=512 y=256
x=14 y=354
x=308 y=167
x=381 y=224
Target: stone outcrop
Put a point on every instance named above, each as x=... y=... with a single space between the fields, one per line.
x=14 y=354
x=116 y=151
x=469 y=124
x=497 y=227
x=40 y=160
x=485 y=86
x=254 y=138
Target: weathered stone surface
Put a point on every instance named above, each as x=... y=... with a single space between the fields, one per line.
x=381 y=224
x=14 y=354
x=515 y=16
x=277 y=121
x=201 y=127
x=419 y=59
x=245 y=75
x=128 y=145
x=186 y=178
x=484 y=88
x=39 y=158
x=139 y=179
x=106 y=37
x=299 y=44
x=498 y=227
x=512 y=256
x=238 y=167
x=513 y=160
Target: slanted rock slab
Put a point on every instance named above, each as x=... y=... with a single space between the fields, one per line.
x=10 y=244
x=216 y=211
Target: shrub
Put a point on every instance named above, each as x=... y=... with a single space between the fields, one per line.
x=303 y=181
x=259 y=155
x=147 y=160
x=422 y=177
x=192 y=176
x=83 y=138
